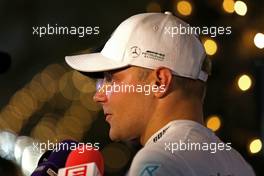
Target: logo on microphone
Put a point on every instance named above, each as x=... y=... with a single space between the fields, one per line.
x=51 y=172
x=77 y=171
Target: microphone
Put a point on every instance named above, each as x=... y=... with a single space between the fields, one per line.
x=55 y=160
x=46 y=169
x=83 y=162
x=44 y=157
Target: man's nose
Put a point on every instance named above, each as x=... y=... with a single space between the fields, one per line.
x=100 y=97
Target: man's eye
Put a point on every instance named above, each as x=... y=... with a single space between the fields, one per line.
x=108 y=78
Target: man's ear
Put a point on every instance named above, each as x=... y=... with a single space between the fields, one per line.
x=163 y=79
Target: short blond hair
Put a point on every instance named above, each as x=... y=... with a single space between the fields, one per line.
x=193 y=88
x=190 y=88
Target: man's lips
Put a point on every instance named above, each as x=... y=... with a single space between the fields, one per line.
x=107 y=116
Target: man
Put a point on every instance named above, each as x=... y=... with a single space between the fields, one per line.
x=147 y=53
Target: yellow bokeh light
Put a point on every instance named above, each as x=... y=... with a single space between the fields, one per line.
x=214 y=123
x=210 y=46
x=67 y=87
x=240 y=8
x=259 y=40
x=255 y=146
x=15 y=124
x=25 y=102
x=228 y=6
x=184 y=8
x=83 y=83
x=37 y=89
x=55 y=71
x=65 y=127
x=244 y=82
x=48 y=83
x=82 y=114
x=153 y=7
x=3 y=124
x=12 y=111
x=43 y=132
x=87 y=101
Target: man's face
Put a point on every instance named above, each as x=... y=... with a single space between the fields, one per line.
x=126 y=112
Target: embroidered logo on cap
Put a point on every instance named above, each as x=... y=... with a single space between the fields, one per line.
x=154 y=55
x=135 y=51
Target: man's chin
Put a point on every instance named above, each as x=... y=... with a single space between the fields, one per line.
x=113 y=136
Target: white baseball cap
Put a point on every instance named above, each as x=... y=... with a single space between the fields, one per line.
x=147 y=40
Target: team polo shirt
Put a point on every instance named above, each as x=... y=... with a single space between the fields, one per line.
x=186 y=148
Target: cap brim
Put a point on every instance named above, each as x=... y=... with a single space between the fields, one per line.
x=93 y=64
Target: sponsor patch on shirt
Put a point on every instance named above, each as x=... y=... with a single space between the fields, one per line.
x=159 y=135
x=149 y=170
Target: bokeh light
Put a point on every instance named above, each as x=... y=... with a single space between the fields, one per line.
x=37 y=89
x=87 y=101
x=213 y=122
x=11 y=118
x=244 y=82
x=21 y=143
x=3 y=124
x=48 y=83
x=15 y=124
x=240 y=8
x=44 y=131
x=184 y=8
x=12 y=111
x=210 y=46
x=228 y=6
x=259 y=40
x=82 y=114
x=255 y=146
x=65 y=127
x=55 y=71
x=7 y=143
x=25 y=102
x=50 y=76
x=30 y=159
x=67 y=87
x=83 y=83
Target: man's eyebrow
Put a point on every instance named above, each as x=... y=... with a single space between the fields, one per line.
x=107 y=74
x=118 y=70
x=93 y=75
